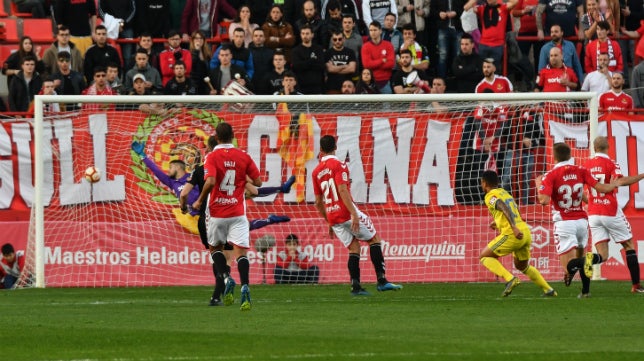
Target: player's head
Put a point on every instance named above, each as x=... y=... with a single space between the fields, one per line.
x=327 y=144
x=600 y=144
x=212 y=143
x=292 y=241
x=561 y=152
x=224 y=133
x=177 y=169
x=8 y=252
x=489 y=180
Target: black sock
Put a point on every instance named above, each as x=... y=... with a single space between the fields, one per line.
x=354 y=270
x=597 y=258
x=575 y=265
x=267 y=191
x=375 y=251
x=585 y=283
x=219 y=266
x=243 y=266
x=214 y=271
x=633 y=266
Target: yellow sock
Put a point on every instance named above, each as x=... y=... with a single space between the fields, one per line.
x=497 y=268
x=536 y=277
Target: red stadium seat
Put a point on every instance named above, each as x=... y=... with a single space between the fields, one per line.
x=40 y=30
x=16 y=13
x=11 y=30
x=6 y=50
x=3 y=12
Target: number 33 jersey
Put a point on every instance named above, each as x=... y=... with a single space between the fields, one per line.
x=564 y=184
x=327 y=177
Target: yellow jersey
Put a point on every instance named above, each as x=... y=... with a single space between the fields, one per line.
x=501 y=195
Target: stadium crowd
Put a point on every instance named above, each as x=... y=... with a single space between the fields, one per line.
x=400 y=46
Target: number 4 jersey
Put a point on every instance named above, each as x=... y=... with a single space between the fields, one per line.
x=327 y=176
x=564 y=184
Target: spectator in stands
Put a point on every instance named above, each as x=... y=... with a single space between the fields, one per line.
x=242 y=21
x=11 y=266
x=48 y=88
x=348 y=87
x=637 y=85
x=80 y=17
x=278 y=33
x=419 y=52
x=153 y=17
x=367 y=84
x=206 y=18
x=594 y=14
x=379 y=56
x=375 y=10
x=557 y=77
x=11 y=66
x=308 y=63
x=67 y=80
x=341 y=64
x=603 y=45
x=570 y=57
x=259 y=10
x=24 y=86
x=533 y=139
x=201 y=54
x=467 y=66
x=335 y=9
x=413 y=12
x=226 y=72
x=98 y=87
x=289 y=84
x=292 y=265
x=171 y=55
x=352 y=38
x=438 y=87
x=124 y=11
x=262 y=61
x=450 y=32
x=332 y=15
x=241 y=56
x=400 y=78
x=632 y=13
x=567 y=14
x=180 y=85
x=61 y=44
x=615 y=99
x=599 y=80
x=493 y=18
x=114 y=79
x=176 y=13
x=140 y=85
x=390 y=32
x=35 y=7
x=145 y=42
x=271 y=82
x=100 y=54
x=152 y=76
x=311 y=18
x=525 y=10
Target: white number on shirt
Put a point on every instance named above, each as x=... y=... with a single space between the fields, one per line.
x=330 y=192
x=228 y=183
x=601 y=178
x=571 y=196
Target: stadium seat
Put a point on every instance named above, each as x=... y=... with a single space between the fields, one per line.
x=6 y=50
x=11 y=30
x=3 y=11
x=40 y=30
x=16 y=13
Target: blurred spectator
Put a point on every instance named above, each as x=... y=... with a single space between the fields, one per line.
x=599 y=80
x=171 y=55
x=493 y=20
x=467 y=66
x=348 y=87
x=337 y=8
x=35 y=7
x=259 y=11
x=400 y=81
x=367 y=84
x=332 y=16
x=204 y=16
x=632 y=13
x=61 y=44
x=390 y=32
x=145 y=42
x=311 y=18
x=533 y=138
x=341 y=64
x=114 y=79
x=279 y=34
x=98 y=87
x=438 y=87
x=180 y=85
x=11 y=66
x=11 y=266
x=413 y=12
x=226 y=72
x=375 y=10
x=292 y=265
x=140 y=85
x=288 y=10
x=66 y=80
x=570 y=57
x=48 y=88
x=557 y=77
x=153 y=17
x=603 y=45
x=241 y=56
x=525 y=12
x=594 y=14
x=615 y=99
x=289 y=84
x=271 y=82
x=352 y=38
x=201 y=55
x=99 y=54
x=450 y=32
x=124 y=12
x=152 y=76
x=566 y=14
x=637 y=85
x=242 y=21
x=80 y=17
x=379 y=56
x=419 y=52
x=262 y=61
x=308 y=63
x=176 y=13
x=24 y=85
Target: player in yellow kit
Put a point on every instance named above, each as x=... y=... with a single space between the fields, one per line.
x=514 y=237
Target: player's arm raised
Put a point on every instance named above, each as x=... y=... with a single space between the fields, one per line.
x=208 y=185
x=627 y=181
x=507 y=212
x=345 y=196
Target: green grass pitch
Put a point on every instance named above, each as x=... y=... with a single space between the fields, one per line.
x=442 y=321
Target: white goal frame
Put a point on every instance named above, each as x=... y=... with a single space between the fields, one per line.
x=40 y=100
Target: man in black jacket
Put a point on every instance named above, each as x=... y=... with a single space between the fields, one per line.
x=308 y=63
x=24 y=86
x=100 y=54
x=66 y=80
x=262 y=60
x=467 y=66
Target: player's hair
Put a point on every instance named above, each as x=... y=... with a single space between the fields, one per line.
x=600 y=144
x=212 y=142
x=7 y=249
x=561 y=152
x=181 y=163
x=292 y=238
x=327 y=144
x=224 y=133
x=491 y=178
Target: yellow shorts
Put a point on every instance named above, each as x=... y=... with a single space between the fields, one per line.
x=505 y=244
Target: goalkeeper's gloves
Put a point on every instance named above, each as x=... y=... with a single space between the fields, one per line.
x=139 y=148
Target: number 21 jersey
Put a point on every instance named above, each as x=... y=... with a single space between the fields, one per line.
x=327 y=176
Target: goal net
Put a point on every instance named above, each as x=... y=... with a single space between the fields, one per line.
x=414 y=161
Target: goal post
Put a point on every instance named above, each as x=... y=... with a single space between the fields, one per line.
x=412 y=170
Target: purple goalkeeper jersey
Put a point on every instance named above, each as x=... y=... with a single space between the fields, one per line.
x=175 y=184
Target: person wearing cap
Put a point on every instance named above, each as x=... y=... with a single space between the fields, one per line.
x=142 y=66
x=293 y=266
x=62 y=44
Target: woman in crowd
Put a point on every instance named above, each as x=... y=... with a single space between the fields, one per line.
x=243 y=21
x=11 y=65
x=201 y=55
